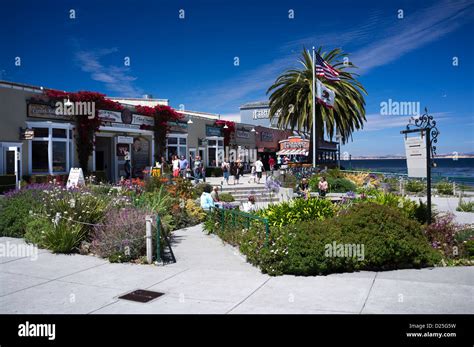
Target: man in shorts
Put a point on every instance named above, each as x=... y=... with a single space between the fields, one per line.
x=259 y=169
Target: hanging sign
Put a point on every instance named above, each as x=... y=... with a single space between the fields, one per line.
x=415 y=150
x=76 y=178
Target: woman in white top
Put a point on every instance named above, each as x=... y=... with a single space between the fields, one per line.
x=175 y=163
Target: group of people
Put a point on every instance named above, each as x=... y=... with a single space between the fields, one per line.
x=210 y=198
x=180 y=167
x=304 y=188
x=235 y=169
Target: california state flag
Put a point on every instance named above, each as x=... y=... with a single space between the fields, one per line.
x=325 y=95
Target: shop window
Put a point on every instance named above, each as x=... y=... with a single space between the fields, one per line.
x=59 y=133
x=39 y=156
x=176 y=146
x=41 y=132
x=59 y=156
x=51 y=148
x=172 y=140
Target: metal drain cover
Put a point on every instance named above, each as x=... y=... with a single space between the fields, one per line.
x=141 y=295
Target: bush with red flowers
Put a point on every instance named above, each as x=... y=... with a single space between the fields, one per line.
x=162 y=115
x=86 y=126
x=227 y=131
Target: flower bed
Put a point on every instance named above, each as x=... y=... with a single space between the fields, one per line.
x=379 y=237
x=102 y=219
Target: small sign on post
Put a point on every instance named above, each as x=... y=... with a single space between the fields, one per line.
x=76 y=178
x=415 y=150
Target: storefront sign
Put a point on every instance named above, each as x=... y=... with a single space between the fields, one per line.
x=125 y=119
x=266 y=136
x=76 y=178
x=45 y=112
x=125 y=139
x=242 y=134
x=213 y=131
x=294 y=143
x=415 y=149
x=178 y=127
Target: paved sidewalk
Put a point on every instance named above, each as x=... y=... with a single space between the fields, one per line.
x=211 y=277
x=449 y=204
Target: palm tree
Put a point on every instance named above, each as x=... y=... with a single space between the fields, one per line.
x=291 y=99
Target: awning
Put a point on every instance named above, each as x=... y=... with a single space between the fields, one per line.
x=293 y=152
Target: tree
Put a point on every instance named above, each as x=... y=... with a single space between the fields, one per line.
x=291 y=98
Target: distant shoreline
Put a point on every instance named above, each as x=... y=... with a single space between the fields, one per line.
x=387 y=158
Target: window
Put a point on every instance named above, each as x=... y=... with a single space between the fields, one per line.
x=51 y=150
x=215 y=150
x=59 y=133
x=176 y=145
x=40 y=156
x=59 y=156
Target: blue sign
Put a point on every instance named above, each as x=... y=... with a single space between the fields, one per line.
x=213 y=131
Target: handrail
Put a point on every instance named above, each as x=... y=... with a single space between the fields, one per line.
x=249 y=216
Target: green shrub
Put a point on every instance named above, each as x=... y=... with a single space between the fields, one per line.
x=389 y=239
x=382 y=237
x=199 y=189
x=336 y=185
x=297 y=210
x=465 y=206
x=65 y=237
x=35 y=229
x=415 y=186
x=445 y=188
x=226 y=197
x=469 y=248
x=341 y=185
x=15 y=209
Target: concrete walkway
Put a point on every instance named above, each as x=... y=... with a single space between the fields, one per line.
x=449 y=204
x=211 y=277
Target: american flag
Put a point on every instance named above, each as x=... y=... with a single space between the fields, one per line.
x=324 y=69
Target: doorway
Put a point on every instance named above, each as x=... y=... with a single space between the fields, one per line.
x=10 y=161
x=103 y=156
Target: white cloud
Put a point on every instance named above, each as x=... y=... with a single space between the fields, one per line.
x=117 y=79
x=414 y=31
x=376 y=121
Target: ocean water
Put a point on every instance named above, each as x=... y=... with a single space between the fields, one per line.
x=459 y=171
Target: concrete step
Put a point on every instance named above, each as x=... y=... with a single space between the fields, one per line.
x=244 y=189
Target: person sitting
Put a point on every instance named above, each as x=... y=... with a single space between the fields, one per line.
x=303 y=188
x=215 y=194
x=250 y=206
x=206 y=199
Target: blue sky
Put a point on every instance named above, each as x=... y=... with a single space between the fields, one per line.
x=191 y=61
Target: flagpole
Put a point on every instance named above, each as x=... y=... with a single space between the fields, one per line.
x=314 y=110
